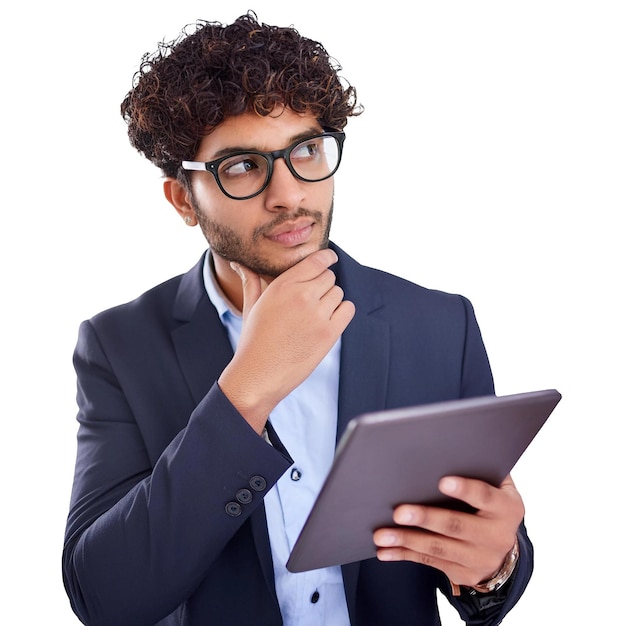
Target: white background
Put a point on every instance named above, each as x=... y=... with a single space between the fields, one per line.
x=489 y=161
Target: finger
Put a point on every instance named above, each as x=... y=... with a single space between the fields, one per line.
x=453 y=570
x=324 y=284
x=343 y=315
x=459 y=559
x=396 y=544
x=480 y=495
x=311 y=266
x=252 y=286
x=333 y=300
x=438 y=521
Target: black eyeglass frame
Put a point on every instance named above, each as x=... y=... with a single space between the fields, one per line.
x=270 y=157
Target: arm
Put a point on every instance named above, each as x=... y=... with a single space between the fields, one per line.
x=141 y=535
x=139 y=538
x=467 y=547
x=288 y=328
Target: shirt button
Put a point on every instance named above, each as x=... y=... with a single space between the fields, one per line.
x=315 y=597
x=296 y=474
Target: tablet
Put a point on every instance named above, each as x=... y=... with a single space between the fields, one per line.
x=397 y=456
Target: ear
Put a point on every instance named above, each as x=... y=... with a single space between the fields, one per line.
x=178 y=196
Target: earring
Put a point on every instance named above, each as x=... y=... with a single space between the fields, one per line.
x=187 y=220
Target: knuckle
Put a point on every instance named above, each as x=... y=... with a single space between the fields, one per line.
x=454 y=526
x=330 y=275
x=426 y=559
x=436 y=549
x=338 y=291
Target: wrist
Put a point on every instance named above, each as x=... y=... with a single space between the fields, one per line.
x=499 y=578
x=250 y=406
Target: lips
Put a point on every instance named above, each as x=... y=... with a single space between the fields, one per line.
x=291 y=226
x=292 y=233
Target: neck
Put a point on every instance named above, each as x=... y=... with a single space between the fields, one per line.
x=230 y=282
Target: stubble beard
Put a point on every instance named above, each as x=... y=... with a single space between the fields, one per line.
x=225 y=242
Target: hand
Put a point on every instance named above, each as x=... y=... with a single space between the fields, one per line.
x=288 y=328
x=468 y=547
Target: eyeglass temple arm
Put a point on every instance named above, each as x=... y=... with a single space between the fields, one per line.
x=194 y=165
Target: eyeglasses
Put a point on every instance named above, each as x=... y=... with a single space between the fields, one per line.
x=243 y=175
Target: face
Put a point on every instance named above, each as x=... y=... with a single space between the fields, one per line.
x=286 y=222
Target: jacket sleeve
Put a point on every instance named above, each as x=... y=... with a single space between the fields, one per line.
x=140 y=535
x=489 y=609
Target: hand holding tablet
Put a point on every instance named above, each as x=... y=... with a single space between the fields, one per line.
x=398 y=457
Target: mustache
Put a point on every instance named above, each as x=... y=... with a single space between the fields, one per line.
x=286 y=217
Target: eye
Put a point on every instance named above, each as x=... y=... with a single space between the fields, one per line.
x=309 y=149
x=239 y=165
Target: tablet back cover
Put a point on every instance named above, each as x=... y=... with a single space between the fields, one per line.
x=398 y=456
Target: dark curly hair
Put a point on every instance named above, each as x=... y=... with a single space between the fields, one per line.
x=190 y=85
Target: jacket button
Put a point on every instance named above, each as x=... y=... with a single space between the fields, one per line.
x=258 y=483
x=233 y=509
x=315 y=597
x=244 y=496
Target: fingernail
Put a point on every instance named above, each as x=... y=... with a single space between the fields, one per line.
x=235 y=267
x=386 y=539
x=448 y=485
x=404 y=517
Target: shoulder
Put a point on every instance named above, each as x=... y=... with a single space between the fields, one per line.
x=150 y=303
x=376 y=288
x=175 y=298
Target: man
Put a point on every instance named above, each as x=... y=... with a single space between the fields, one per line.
x=210 y=406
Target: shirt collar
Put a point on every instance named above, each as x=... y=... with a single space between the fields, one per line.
x=217 y=297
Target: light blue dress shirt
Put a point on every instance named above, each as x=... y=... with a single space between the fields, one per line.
x=306 y=422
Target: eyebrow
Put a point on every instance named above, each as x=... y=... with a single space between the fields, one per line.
x=306 y=134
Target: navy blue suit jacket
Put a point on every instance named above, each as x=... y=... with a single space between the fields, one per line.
x=161 y=452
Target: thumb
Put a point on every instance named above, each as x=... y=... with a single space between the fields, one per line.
x=252 y=286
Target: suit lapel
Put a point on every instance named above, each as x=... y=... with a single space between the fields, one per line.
x=363 y=387
x=200 y=341
x=364 y=368
x=365 y=346
x=365 y=355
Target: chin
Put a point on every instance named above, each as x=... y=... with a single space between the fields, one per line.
x=277 y=266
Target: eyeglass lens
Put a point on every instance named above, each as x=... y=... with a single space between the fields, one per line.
x=311 y=160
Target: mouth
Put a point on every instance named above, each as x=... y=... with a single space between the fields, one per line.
x=292 y=233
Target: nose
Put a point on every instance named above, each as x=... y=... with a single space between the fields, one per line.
x=284 y=191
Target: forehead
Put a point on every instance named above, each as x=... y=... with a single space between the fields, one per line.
x=250 y=131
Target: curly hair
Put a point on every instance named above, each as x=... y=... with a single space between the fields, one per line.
x=190 y=85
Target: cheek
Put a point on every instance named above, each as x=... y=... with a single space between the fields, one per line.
x=325 y=189
x=226 y=215
x=212 y=204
